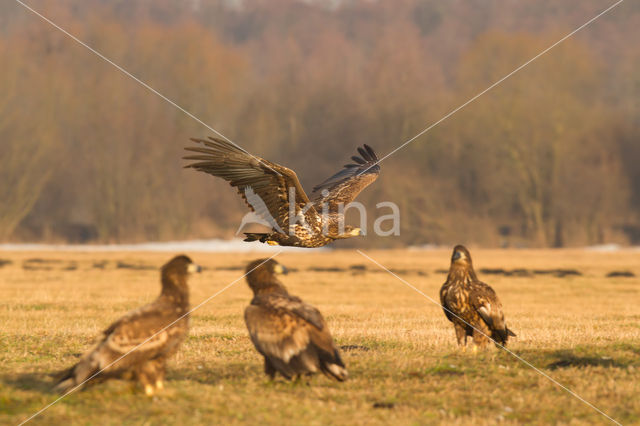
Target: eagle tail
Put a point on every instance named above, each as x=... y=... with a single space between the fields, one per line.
x=499 y=331
x=334 y=367
x=254 y=236
x=76 y=375
x=502 y=335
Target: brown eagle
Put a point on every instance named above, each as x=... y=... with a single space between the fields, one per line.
x=471 y=305
x=291 y=335
x=273 y=192
x=159 y=328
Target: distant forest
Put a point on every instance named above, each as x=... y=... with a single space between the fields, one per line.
x=549 y=158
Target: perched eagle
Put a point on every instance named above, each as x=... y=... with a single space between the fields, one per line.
x=471 y=305
x=159 y=328
x=318 y=220
x=291 y=335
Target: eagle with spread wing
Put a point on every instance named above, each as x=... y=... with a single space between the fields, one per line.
x=471 y=305
x=316 y=221
x=290 y=334
x=138 y=345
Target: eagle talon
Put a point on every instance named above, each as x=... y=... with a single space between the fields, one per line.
x=148 y=390
x=273 y=243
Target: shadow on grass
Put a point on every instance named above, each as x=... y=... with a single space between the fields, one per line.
x=568 y=359
x=38 y=382
x=238 y=374
x=210 y=374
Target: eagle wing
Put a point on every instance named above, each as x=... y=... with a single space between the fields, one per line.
x=146 y=330
x=282 y=327
x=276 y=335
x=137 y=337
x=443 y=302
x=344 y=186
x=296 y=306
x=293 y=337
x=251 y=175
x=485 y=302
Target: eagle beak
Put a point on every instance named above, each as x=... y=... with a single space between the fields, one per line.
x=280 y=269
x=193 y=268
x=457 y=255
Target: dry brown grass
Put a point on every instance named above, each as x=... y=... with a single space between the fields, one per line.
x=582 y=330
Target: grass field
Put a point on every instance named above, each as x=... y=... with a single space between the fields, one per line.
x=578 y=326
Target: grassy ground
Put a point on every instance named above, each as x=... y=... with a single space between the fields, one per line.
x=582 y=330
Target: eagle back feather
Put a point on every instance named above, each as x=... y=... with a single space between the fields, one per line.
x=135 y=338
x=145 y=327
x=292 y=336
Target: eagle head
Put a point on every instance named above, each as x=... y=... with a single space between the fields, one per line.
x=175 y=272
x=460 y=256
x=262 y=274
x=268 y=267
x=180 y=265
x=349 y=231
x=354 y=232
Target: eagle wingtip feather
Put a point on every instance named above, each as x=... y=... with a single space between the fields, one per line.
x=371 y=152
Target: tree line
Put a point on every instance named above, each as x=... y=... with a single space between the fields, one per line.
x=547 y=158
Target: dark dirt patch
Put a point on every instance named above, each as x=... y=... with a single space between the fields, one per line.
x=358 y=269
x=407 y=271
x=229 y=268
x=326 y=269
x=384 y=404
x=72 y=266
x=138 y=267
x=521 y=272
x=560 y=273
x=348 y=348
x=39 y=264
x=100 y=264
x=621 y=274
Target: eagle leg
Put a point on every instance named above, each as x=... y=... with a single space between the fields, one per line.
x=254 y=236
x=479 y=339
x=147 y=375
x=461 y=335
x=160 y=368
x=269 y=369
